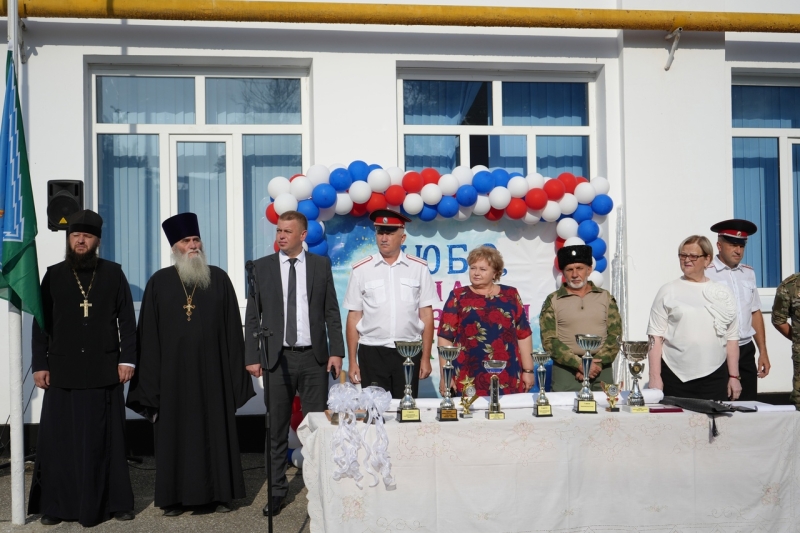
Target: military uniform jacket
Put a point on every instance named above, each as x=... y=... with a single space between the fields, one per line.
x=84 y=352
x=787 y=306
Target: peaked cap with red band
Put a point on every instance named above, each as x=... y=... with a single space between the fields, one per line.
x=735 y=230
x=387 y=217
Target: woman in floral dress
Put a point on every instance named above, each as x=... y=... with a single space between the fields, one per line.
x=488 y=321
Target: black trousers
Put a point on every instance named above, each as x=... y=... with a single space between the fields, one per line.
x=748 y=371
x=383 y=367
x=711 y=387
x=296 y=372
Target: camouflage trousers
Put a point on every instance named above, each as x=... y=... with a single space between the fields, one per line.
x=795 y=396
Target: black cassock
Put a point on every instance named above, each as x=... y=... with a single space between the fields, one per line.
x=192 y=377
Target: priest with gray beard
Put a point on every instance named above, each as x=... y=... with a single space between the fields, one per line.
x=191 y=376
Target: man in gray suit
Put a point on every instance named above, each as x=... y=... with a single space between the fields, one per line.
x=301 y=314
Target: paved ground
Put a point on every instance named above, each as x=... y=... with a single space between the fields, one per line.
x=245 y=517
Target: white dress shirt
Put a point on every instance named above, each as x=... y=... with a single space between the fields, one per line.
x=303 y=326
x=742 y=281
x=390 y=297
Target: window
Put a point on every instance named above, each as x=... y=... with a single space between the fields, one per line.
x=193 y=142
x=766 y=147
x=446 y=123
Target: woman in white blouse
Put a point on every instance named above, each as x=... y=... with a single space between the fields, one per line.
x=694 y=331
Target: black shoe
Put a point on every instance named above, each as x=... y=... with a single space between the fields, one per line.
x=124 y=515
x=223 y=508
x=49 y=520
x=173 y=510
x=275 y=507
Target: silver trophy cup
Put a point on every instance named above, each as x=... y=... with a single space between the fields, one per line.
x=408 y=411
x=541 y=406
x=494 y=368
x=588 y=343
x=635 y=352
x=447 y=408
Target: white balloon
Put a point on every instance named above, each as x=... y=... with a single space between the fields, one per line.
x=601 y=185
x=301 y=188
x=431 y=194
x=597 y=278
x=602 y=233
x=482 y=205
x=318 y=174
x=600 y=219
x=464 y=212
x=379 y=180
x=413 y=204
x=535 y=181
x=551 y=211
x=396 y=175
x=360 y=192
x=294 y=440
x=594 y=263
x=327 y=213
x=518 y=186
x=278 y=185
x=449 y=184
x=574 y=241
x=464 y=175
x=305 y=246
x=297 y=457
x=500 y=197
x=344 y=204
x=566 y=228
x=585 y=193
x=532 y=217
x=568 y=204
x=335 y=166
x=285 y=202
x=478 y=168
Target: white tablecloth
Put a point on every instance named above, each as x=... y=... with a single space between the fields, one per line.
x=570 y=473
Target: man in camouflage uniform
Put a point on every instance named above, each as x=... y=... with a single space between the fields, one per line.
x=785 y=308
x=579 y=307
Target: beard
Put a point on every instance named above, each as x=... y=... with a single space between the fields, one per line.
x=576 y=284
x=193 y=270
x=84 y=261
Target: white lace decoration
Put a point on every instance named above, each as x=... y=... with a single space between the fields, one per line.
x=344 y=399
x=376 y=401
x=722 y=306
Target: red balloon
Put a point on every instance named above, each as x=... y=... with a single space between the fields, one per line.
x=275 y=246
x=555 y=190
x=359 y=210
x=295 y=176
x=536 y=199
x=494 y=214
x=272 y=216
x=581 y=179
x=395 y=195
x=569 y=181
x=517 y=208
x=559 y=245
x=430 y=175
x=297 y=407
x=413 y=182
x=376 y=201
x=294 y=422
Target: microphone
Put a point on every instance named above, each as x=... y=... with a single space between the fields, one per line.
x=250 y=267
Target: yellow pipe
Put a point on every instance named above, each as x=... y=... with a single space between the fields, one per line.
x=397 y=14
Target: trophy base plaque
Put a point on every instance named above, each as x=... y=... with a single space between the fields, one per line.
x=585 y=406
x=465 y=415
x=636 y=409
x=408 y=415
x=500 y=415
x=542 y=410
x=446 y=415
x=612 y=409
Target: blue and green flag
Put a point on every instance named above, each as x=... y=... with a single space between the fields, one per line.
x=19 y=267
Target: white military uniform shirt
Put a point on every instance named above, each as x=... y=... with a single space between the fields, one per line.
x=390 y=297
x=742 y=281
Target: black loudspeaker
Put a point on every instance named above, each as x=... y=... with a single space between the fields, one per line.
x=64 y=197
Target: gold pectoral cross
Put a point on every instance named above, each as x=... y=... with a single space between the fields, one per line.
x=86 y=305
x=189 y=308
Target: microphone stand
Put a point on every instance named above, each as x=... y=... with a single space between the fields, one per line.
x=261 y=334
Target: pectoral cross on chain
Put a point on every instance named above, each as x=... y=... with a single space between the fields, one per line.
x=86 y=305
x=189 y=308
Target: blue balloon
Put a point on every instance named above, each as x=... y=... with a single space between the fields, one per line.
x=602 y=264
x=602 y=204
x=341 y=180
x=309 y=209
x=323 y=196
x=501 y=177
x=321 y=248
x=466 y=195
x=514 y=175
x=372 y=167
x=584 y=212
x=428 y=213
x=598 y=248
x=448 y=207
x=315 y=233
x=588 y=230
x=359 y=170
x=483 y=182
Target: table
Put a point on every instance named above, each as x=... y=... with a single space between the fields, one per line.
x=573 y=473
